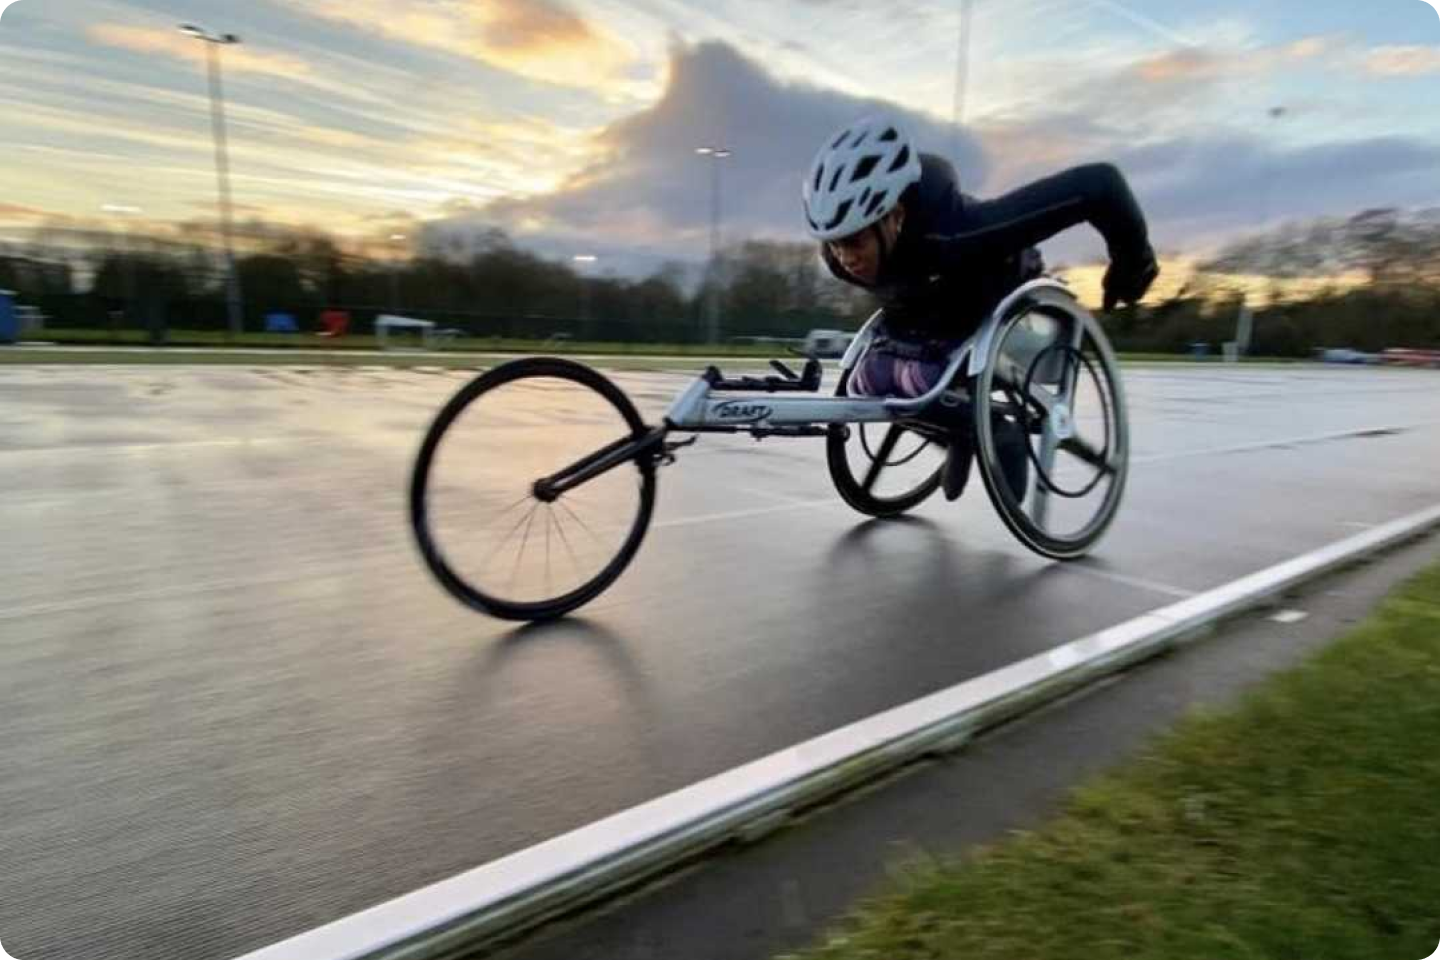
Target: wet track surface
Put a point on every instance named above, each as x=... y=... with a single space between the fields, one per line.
x=237 y=706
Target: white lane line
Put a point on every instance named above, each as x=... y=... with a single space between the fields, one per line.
x=1290 y=616
x=776 y=496
x=752 y=512
x=1283 y=442
x=1154 y=586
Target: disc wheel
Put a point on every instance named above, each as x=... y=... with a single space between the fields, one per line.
x=882 y=470
x=480 y=526
x=1052 y=378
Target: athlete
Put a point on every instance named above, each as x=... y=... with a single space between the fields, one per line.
x=894 y=221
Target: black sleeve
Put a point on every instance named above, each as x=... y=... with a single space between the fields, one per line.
x=1096 y=194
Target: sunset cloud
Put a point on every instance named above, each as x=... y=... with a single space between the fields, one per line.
x=537 y=39
x=1189 y=64
x=1403 y=61
x=171 y=43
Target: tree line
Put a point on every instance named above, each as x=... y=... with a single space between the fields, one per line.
x=1375 y=285
x=493 y=287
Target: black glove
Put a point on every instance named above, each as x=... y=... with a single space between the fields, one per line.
x=1129 y=277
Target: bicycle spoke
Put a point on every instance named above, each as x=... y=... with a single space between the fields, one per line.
x=1042 y=397
x=585 y=500
x=585 y=526
x=1041 y=496
x=491 y=522
x=574 y=561
x=547 y=549
x=887 y=447
x=1070 y=375
x=494 y=553
x=908 y=458
x=1086 y=452
x=521 y=554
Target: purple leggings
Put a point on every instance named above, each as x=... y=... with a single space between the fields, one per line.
x=883 y=374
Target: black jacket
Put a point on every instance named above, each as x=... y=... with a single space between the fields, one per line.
x=957 y=257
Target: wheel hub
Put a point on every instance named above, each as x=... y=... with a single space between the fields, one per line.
x=1062 y=426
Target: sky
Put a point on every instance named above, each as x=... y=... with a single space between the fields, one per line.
x=573 y=127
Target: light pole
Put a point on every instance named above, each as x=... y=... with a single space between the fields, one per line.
x=962 y=74
x=396 y=238
x=715 y=154
x=120 y=211
x=584 y=262
x=1245 y=323
x=222 y=162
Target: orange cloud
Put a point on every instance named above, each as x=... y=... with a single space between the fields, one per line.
x=1403 y=61
x=172 y=43
x=1185 y=64
x=537 y=39
x=13 y=211
x=1189 y=64
x=528 y=27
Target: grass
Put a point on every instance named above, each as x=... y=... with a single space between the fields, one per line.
x=310 y=341
x=40 y=356
x=1304 y=823
x=366 y=350
x=451 y=361
x=1215 y=359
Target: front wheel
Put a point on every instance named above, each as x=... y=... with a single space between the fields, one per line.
x=481 y=528
x=1050 y=398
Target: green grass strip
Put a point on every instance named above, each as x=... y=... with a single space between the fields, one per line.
x=1303 y=824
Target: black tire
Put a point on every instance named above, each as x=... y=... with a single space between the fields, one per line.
x=998 y=397
x=482 y=598
x=852 y=489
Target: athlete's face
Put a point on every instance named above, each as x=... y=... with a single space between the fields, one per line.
x=859 y=253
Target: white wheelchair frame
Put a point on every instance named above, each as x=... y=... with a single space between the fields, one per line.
x=761 y=414
x=697 y=410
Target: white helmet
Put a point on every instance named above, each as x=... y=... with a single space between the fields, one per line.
x=858 y=177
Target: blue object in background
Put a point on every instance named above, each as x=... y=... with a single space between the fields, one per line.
x=280 y=323
x=9 y=322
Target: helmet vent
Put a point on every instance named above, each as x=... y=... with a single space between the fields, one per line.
x=839 y=140
x=835 y=180
x=876 y=202
x=900 y=160
x=839 y=215
x=864 y=168
x=890 y=135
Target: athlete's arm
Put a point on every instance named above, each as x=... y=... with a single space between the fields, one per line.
x=1096 y=194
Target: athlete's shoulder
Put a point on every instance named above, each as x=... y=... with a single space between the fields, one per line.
x=937 y=189
x=937 y=170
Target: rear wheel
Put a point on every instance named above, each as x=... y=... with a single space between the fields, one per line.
x=481 y=528
x=881 y=469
